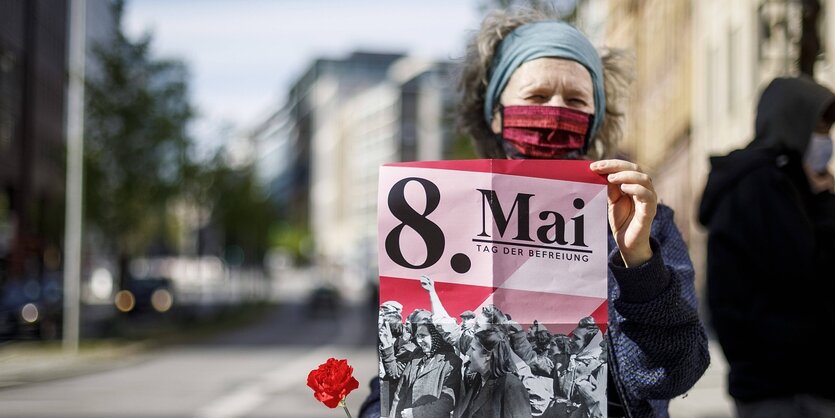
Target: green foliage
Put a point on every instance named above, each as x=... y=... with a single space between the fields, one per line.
x=293 y=238
x=461 y=148
x=239 y=208
x=138 y=164
x=136 y=145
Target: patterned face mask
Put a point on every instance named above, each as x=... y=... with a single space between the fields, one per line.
x=546 y=132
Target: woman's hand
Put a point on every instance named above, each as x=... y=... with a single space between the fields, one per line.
x=386 y=339
x=427 y=284
x=632 y=206
x=407 y=413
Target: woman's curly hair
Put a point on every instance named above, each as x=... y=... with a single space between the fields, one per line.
x=617 y=76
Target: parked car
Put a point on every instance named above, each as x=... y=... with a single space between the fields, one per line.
x=151 y=294
x=31 y=309
x=324 y=301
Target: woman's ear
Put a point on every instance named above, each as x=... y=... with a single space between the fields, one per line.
x=496 y=125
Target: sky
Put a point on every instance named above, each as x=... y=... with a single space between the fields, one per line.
x=244 y=55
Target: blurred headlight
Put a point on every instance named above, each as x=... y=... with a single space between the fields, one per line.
x=101 y=283
x=124 y=301
x=29 y=313
x=162 y=300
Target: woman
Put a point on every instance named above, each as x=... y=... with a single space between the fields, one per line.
x=495 y=392
x=526 y=71
x=427 y=383
x=534 y=87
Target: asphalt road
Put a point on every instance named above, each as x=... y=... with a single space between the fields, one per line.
x=257 y=371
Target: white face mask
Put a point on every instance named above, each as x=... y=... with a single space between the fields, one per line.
x=819 y=152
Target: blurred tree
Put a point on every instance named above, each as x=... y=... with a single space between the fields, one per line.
x=239 y=209
x=136 y=145
x=294 y=239
x=461 y=148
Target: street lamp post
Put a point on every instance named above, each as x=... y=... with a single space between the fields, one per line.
x=75 y=152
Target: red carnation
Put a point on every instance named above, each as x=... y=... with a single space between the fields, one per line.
x=332 y=382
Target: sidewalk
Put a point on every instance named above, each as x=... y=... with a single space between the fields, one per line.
x=23 y=362
x=33 y=362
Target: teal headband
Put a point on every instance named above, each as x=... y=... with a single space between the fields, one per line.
x=552 y=39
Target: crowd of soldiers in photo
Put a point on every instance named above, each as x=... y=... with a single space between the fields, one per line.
x=487 y=365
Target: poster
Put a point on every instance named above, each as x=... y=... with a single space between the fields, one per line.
x=493 y=288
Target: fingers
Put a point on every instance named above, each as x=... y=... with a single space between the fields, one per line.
x=634 y=183
x=639 y=192
x=386 y=338
x=628 y=178
x=613 y=166
x=619 y=171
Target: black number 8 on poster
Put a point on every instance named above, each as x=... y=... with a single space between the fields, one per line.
x=429 y=232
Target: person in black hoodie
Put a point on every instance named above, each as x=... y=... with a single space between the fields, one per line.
x=769 y=213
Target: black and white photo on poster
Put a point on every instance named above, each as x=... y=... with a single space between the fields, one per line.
x=485 y=364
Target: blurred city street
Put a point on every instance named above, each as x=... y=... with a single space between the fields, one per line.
x=256 y=371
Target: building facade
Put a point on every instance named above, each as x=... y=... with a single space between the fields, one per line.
x=700 y=67
x=342 y=120
x=738 y=48
x=33 y=68
x=33 y=54
x=403 y=118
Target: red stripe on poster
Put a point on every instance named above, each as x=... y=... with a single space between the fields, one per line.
x=456 y=298
x=560 y=313
x=568 y=170
x=601 y=316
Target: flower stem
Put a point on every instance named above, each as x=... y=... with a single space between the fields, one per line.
x=345 y=407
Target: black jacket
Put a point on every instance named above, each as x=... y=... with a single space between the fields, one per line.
x=769 y=281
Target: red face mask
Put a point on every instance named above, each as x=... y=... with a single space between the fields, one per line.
x=544 y=132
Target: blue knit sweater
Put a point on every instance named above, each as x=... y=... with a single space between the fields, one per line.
x=658 y=344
